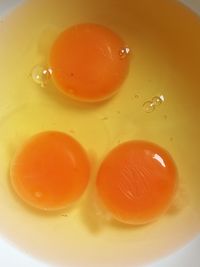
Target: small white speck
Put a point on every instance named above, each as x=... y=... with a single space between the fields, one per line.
x=162 y=98
x=124 y=52
x=38 y=194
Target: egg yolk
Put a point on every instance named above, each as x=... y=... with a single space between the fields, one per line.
x=51 y=171
x=86 y=63
x=136 y=182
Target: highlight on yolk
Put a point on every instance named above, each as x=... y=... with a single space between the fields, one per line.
x=89 y=62
x=137 y=182
x=51 y=171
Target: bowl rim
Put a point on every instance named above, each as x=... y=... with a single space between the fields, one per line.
x=10 y=255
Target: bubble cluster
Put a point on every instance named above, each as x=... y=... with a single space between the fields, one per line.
x=157 y=101
x=41 y=75
x=150 y=105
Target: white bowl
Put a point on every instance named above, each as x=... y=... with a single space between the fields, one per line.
x=10 y=256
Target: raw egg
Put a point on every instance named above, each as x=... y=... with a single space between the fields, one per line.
x=89 y=62
x=136 y=182
x=51 y=171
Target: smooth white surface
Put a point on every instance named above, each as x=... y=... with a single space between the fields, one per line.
x=189 y=256
x=193 y=4
x=11 y=257
x=6 y=6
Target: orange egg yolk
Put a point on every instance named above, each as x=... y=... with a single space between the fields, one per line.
x=51 y=171
x=86 y=63
x=136 y=182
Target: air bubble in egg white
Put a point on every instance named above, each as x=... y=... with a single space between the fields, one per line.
x=149 y=106
x=41 y=75
x=124 y=52
x=157 y=101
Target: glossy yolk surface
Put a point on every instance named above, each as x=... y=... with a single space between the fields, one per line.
x=86 y=63
x=51 y=171
x=136 y=182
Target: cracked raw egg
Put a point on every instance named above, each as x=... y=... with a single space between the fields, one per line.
x=89 y=62
x=51 y=171
x=136 y=182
